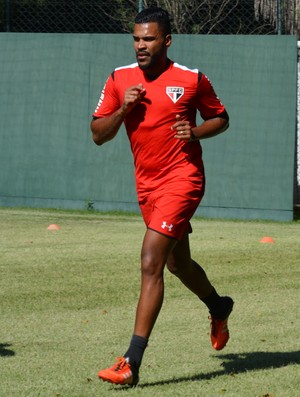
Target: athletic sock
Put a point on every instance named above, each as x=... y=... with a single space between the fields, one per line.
x=136 y=350
x=215 y=305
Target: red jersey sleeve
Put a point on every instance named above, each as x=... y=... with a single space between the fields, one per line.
x=109 y=101
x=208 y=103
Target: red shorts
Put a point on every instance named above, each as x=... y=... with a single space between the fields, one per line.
x=169 y=209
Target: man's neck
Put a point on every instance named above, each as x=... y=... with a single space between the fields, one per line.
x=154 y=75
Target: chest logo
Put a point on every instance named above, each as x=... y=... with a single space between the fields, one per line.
x=175 y=93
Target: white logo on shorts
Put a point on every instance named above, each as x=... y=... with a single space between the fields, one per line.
x=165 y=225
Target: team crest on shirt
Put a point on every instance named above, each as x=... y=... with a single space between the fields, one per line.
x=174 y=93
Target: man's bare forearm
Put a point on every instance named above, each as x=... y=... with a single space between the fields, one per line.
x=210 y=128
x=106 y=128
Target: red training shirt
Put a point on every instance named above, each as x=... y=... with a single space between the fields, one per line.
x=158 y=156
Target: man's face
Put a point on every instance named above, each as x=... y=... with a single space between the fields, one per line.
x=150 y=46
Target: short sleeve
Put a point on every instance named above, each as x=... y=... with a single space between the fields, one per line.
x=207 y=102
x=109 y=101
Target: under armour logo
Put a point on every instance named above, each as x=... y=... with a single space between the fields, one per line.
x=165 y=225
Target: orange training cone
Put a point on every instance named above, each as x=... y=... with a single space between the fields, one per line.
x=53 y=226
x=267 y=239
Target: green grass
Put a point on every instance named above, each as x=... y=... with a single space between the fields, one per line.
x=68 y=298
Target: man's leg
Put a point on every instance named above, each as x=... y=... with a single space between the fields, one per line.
x=155 y=251
x=194 y=277
x=187 y=270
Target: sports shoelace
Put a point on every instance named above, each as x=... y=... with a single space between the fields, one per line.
x=121 y=363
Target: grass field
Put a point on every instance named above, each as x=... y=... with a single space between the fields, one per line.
x=68 y=297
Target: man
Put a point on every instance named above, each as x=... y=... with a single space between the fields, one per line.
x=157 y=100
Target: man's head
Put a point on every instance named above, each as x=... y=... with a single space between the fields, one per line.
x=155 y=14
x=152 y=38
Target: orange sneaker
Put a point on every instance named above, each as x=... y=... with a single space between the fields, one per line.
x=219 y=332
x=120 y=373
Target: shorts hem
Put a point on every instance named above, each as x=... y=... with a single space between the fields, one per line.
x=163 y=234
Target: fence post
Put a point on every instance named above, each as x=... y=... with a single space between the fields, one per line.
x=7 y=15
x=140 y=5
x=279 y=17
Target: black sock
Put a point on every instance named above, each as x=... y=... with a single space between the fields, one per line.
x=214 y=304
x=136 y=350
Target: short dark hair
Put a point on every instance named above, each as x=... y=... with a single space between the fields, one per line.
x=155 y=14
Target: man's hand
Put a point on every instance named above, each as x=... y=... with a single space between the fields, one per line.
x=133 y=95
x=207 y=129
x=106 y=128
x=183 y=130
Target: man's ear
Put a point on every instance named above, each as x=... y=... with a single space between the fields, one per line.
x=168 y=40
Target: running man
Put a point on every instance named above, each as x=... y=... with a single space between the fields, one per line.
x=157 y=100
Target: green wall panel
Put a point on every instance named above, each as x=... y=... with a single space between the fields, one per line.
x=50 y=85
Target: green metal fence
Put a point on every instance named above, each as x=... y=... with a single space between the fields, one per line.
x=116 y=16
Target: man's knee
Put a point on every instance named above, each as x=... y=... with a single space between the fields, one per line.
x=173 y=267
x=155 y=251
x=151 y=265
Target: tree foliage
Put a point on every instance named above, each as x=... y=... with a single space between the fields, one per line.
x=218 y=16
x=117 y=16
x=285 y=12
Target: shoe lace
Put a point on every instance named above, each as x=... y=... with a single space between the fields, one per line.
x=120 y=364
x=212 y=325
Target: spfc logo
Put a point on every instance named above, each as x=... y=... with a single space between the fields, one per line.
x=175 y=93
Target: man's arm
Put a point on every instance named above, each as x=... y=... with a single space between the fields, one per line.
x=210 y=128
x=106 y=128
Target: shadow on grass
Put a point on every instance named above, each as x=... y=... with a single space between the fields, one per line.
x=238 y=363
x=4 y=351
